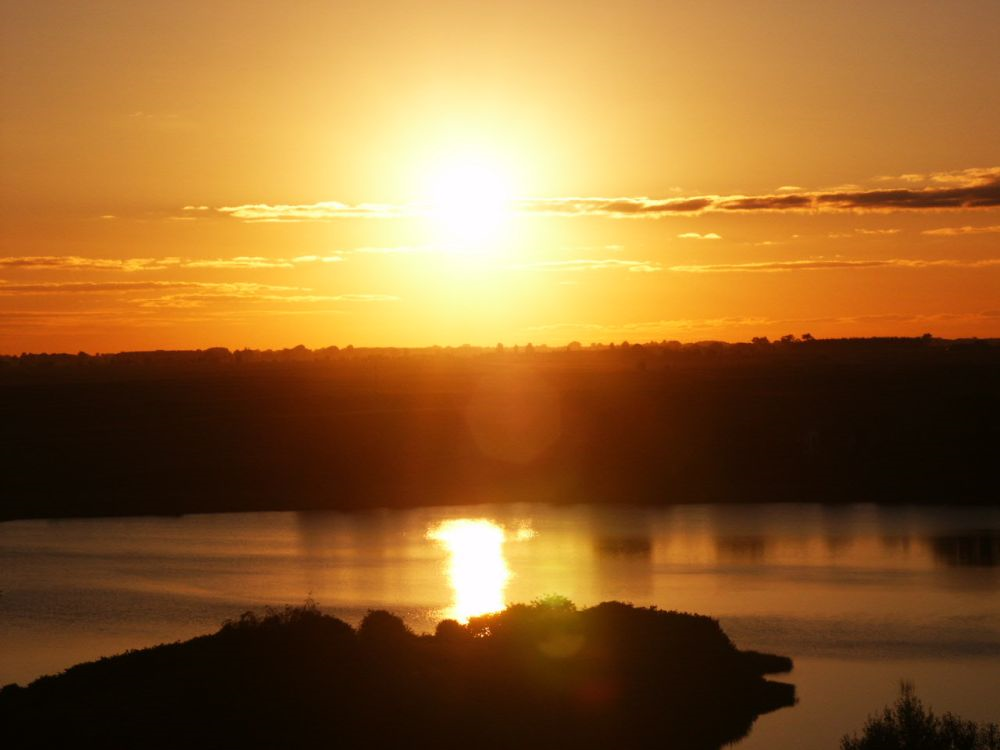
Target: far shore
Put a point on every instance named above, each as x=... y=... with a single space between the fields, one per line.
x=889 y=421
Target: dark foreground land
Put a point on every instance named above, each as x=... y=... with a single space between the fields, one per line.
x=877 y=420
x=534 y=676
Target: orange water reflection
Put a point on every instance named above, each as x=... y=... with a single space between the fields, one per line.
x=859 y=595
x=477 y=568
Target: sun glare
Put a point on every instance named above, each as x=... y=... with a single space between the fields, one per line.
x=477 y=568
x=469 y=197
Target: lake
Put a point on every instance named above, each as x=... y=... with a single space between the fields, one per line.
x=860 y=596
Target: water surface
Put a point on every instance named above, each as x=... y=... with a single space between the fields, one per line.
x=860 y=596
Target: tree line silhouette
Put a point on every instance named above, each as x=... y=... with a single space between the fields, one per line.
x=852 y=420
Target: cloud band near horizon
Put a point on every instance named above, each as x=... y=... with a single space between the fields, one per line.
x=980 y=190
x=130 y=265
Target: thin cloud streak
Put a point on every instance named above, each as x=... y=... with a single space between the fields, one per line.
x=961 y=231
x=831 y=265
x=78 y=263
x=185 y=301
x=188 y=295
x=131 y=265
x=321 y=211
x=588 y=264
x=105 y=287
x=979 y=194
x=977 y=188
x=787 y=266
x=144 y=316
x=968 y=176
x=202 y=299
x=184 y=295
x=657 y=328
x=697 y=236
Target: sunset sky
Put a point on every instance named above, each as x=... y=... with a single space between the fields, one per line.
x=219 y=173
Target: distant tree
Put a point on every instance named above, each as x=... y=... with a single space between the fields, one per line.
x=451 y=630
x=381 y=627
x=807 y=337
x=554 y=602
x=907 y=725
x=760 y=340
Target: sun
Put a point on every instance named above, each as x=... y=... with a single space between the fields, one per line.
x=469 y=200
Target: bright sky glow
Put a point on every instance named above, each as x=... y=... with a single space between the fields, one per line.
x=514 y=172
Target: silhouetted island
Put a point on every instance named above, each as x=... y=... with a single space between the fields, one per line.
x=534 y=676
x=850 y=420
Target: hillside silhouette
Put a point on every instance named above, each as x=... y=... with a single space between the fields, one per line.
x=852 y=420
x=539 y=675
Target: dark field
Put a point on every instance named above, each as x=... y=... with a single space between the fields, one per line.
x=879 y=420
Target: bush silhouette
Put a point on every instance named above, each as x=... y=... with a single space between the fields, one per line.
x=908 y=725
x=383 y=628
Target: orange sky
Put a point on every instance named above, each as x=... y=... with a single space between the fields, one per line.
x=191 y=174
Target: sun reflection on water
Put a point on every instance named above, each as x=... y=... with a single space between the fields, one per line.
x=477 y=569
